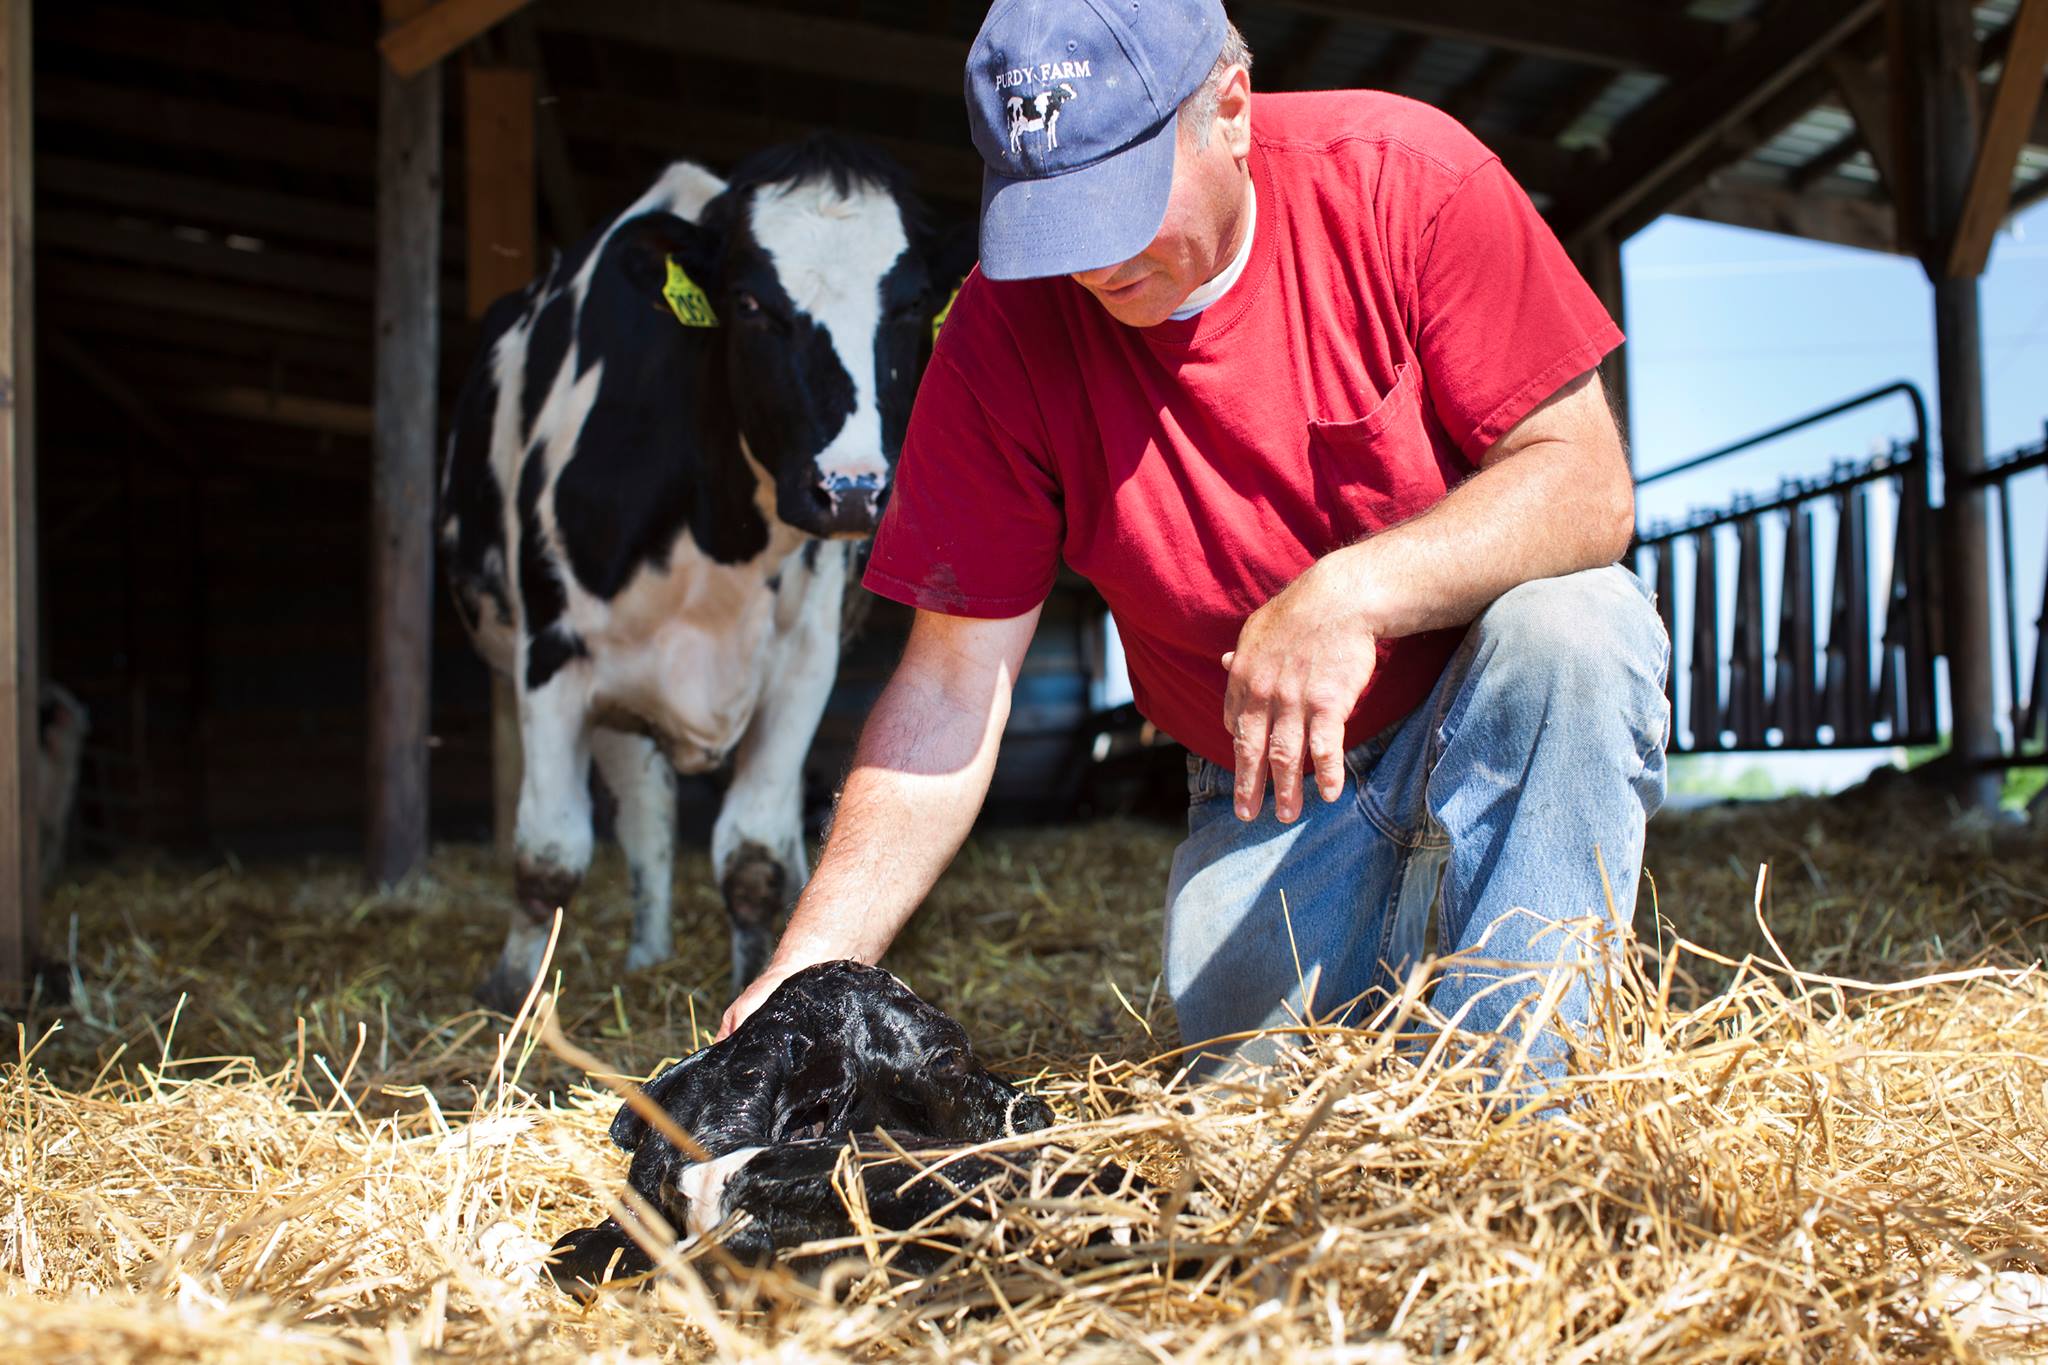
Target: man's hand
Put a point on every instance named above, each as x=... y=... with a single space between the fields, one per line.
x=1301 y=663
x=756 y=995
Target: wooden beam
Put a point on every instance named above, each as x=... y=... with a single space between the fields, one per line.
x=1690 y=117
x=409 y=170
x=213 y=254
x=163 y=37
x=1863 y=223
x=1600 y=263
x=1624 y=35
x=223 y=130
x=20 y=677
x=252 y=404
x=1471 y=98
x=433 y=33
x=1862 y=93
x=123 y=286
x=561 y=190
x=760 y=35
x=722 y=137
x=1296 y=69
x=2013 y=106
x=210 y=203
x=498 y=132
x=1395 y=66
x=1933 y=54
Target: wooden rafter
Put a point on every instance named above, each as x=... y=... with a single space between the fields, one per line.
x=438 y=30
x=1469 y=99
x=1860 y=223
x=211 y=203
x=1296 y=68
x=761 y=35
x=1692 y=116
x=1619 y=34
x=2011 y=119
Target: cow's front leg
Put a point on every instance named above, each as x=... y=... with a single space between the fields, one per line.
x=644 y=785
x=553 y=836
x=757 y=846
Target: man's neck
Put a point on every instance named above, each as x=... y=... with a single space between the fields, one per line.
x=1234 y=260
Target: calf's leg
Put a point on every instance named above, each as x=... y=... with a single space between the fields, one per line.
x=644 y=786
x=552 y=835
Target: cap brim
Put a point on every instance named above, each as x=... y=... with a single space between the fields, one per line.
x=1085 y=219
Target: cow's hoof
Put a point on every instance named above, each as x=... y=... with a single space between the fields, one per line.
x=543 y=888
x=52 y=981
x=643 y=955
x=503 y=990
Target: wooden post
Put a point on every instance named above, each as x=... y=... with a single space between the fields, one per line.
x=498 y=142
x=1599 y=260
x=1933 y=57
x=20 y=878
x=402 y=462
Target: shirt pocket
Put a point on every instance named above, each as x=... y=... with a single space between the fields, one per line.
x=1380 y=469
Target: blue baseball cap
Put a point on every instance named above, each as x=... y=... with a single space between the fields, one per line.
x=1071 y=104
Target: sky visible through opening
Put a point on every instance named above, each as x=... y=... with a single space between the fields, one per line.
x=1734 y=331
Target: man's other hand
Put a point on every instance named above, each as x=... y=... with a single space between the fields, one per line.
x=1301 y=663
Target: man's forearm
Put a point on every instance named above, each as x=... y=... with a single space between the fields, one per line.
x=1540 y=514
x=919 y=776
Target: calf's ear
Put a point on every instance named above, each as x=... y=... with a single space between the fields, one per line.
x=644 y=246
x=628 y=1128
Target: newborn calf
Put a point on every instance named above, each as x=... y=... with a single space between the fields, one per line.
x=838 y=1051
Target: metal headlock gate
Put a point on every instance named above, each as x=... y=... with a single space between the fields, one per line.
x=2027 y=687
x=1870 y=678
x=1846 y=689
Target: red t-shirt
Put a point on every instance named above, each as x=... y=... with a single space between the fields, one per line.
x=1404 y=306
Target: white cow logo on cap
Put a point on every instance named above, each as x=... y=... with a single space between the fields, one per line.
x=1038 y=114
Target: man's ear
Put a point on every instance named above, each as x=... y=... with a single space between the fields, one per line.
x=643 y=247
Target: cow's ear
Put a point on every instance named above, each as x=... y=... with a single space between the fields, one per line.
x=644 y=246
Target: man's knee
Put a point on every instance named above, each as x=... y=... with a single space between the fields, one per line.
x=1588 y=639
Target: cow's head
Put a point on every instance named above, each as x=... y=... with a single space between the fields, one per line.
x=819 y=267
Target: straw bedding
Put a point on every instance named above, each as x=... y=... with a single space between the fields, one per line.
x=271 y=1129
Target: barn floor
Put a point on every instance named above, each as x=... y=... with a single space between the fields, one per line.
x=272 y=1127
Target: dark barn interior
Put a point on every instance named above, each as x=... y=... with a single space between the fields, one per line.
x=205 y=230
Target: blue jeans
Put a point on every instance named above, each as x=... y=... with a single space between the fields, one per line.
x=1542 y=743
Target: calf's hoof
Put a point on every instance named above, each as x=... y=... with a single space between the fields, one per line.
x=589 y=1257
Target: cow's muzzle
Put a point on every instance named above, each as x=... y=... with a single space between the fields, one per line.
x=844 y=505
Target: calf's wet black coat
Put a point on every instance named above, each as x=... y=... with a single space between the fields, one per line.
x=837 y=1052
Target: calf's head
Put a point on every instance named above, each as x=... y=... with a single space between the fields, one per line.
x=838 y=1048
x=818 y=266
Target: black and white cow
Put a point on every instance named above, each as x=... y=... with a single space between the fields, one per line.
x=1038 y=114
x=649 y=525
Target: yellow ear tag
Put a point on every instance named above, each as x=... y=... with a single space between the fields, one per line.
x=940 y=320
x=689 y=303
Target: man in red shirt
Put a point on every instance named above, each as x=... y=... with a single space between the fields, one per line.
x=1305 y=386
